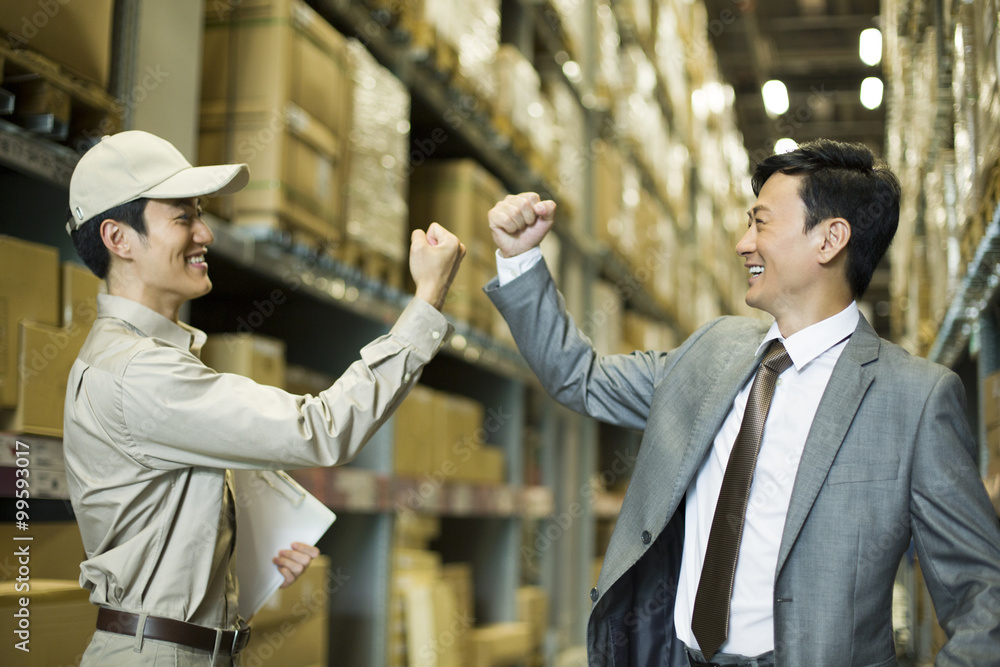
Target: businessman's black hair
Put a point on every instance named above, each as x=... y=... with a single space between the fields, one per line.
x=844 y=181
x=87 y=238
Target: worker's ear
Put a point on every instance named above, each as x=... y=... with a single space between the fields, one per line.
x=115 y=238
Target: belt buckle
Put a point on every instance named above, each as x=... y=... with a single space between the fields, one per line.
x=241 y=638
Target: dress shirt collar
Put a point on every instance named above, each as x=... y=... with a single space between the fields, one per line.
x=150 y=323
x=804 y=346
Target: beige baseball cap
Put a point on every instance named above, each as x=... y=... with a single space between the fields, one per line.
x=133 y=164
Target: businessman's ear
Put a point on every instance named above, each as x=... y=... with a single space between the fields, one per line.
x=836 y=235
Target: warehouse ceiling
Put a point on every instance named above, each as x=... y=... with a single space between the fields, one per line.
x=812 y=47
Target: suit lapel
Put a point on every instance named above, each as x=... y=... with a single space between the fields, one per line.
x=850 y=380
x=737 y=368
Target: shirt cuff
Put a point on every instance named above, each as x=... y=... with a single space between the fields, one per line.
x=423 y=327
x=509 y=268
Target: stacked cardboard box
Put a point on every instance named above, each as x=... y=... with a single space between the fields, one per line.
x=604 y=323
x=521 y=111
x=990 y=403
x=377 y=185
x=292 y=628
x=76 y=36
x=56 y=546
x=62 y=621
x=43 y=346
x=500 y=644
x=572 y=155
x=533 y=609
x=458 y=194
x=608 y=187
x=608 y=80
x=29 y=290
x=644 y=333
x=276 y=94
x=442 y=434
x=431 y=610
x=260 y=358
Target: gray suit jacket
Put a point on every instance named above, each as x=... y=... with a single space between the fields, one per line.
x=889 y=457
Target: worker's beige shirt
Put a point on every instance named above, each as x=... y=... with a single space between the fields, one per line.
x=150 y=432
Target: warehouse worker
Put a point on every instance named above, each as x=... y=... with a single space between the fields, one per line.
x=745 y=544
x=150 y=431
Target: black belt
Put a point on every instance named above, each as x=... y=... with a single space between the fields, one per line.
x=176 y=632
x=761 y=660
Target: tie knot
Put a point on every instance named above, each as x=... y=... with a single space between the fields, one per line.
x=776 y=358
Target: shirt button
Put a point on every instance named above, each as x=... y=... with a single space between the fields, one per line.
x=406 y=378
x=646 y=537
x=594 y=595
x=435 y=335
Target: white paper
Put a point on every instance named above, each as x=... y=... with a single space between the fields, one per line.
x=272 y=511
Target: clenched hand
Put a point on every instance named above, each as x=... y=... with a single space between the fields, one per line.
x=520 y=222
x=435 y=256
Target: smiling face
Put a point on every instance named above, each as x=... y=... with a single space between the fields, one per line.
x=167 y=267
x=783 y=260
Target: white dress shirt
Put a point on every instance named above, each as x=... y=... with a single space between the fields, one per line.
x=814 y=352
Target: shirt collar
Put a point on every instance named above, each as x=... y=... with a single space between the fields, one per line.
x=804 y=346
x=150 y=323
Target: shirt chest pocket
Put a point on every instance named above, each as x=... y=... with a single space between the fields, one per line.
x=850 y=472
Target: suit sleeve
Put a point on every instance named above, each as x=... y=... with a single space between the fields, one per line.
x=956 y=530
x=616 y=389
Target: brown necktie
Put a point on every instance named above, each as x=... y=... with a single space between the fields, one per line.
x=710 y=621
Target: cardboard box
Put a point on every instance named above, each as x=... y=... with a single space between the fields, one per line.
x=991 y=399
x=415 y=433
x=46 y=354
x=260 y=358
x=292 y=628
x=993 y=442
x=62 y=621
x=456 y=194
x=276 y=94
x=431 y=631
x=56 y=550
x=459 y=418
x=297 y=171
x=29 y=290
x=261 y=54
x=533 y=609
x=76 y=35
x=491 y=464
x=415 y=531
x=501 y=644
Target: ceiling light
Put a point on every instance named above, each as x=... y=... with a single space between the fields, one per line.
x=870 y=46
x=785 y=145
x=871 y=92
x=775 y=98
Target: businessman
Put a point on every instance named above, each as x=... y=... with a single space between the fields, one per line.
x=784 y=466
x=151 y=433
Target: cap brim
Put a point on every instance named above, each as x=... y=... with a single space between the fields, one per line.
x=222 y=179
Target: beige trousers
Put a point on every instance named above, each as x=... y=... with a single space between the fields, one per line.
x=108 y=649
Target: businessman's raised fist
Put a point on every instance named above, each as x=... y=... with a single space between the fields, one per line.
x=520 y=222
